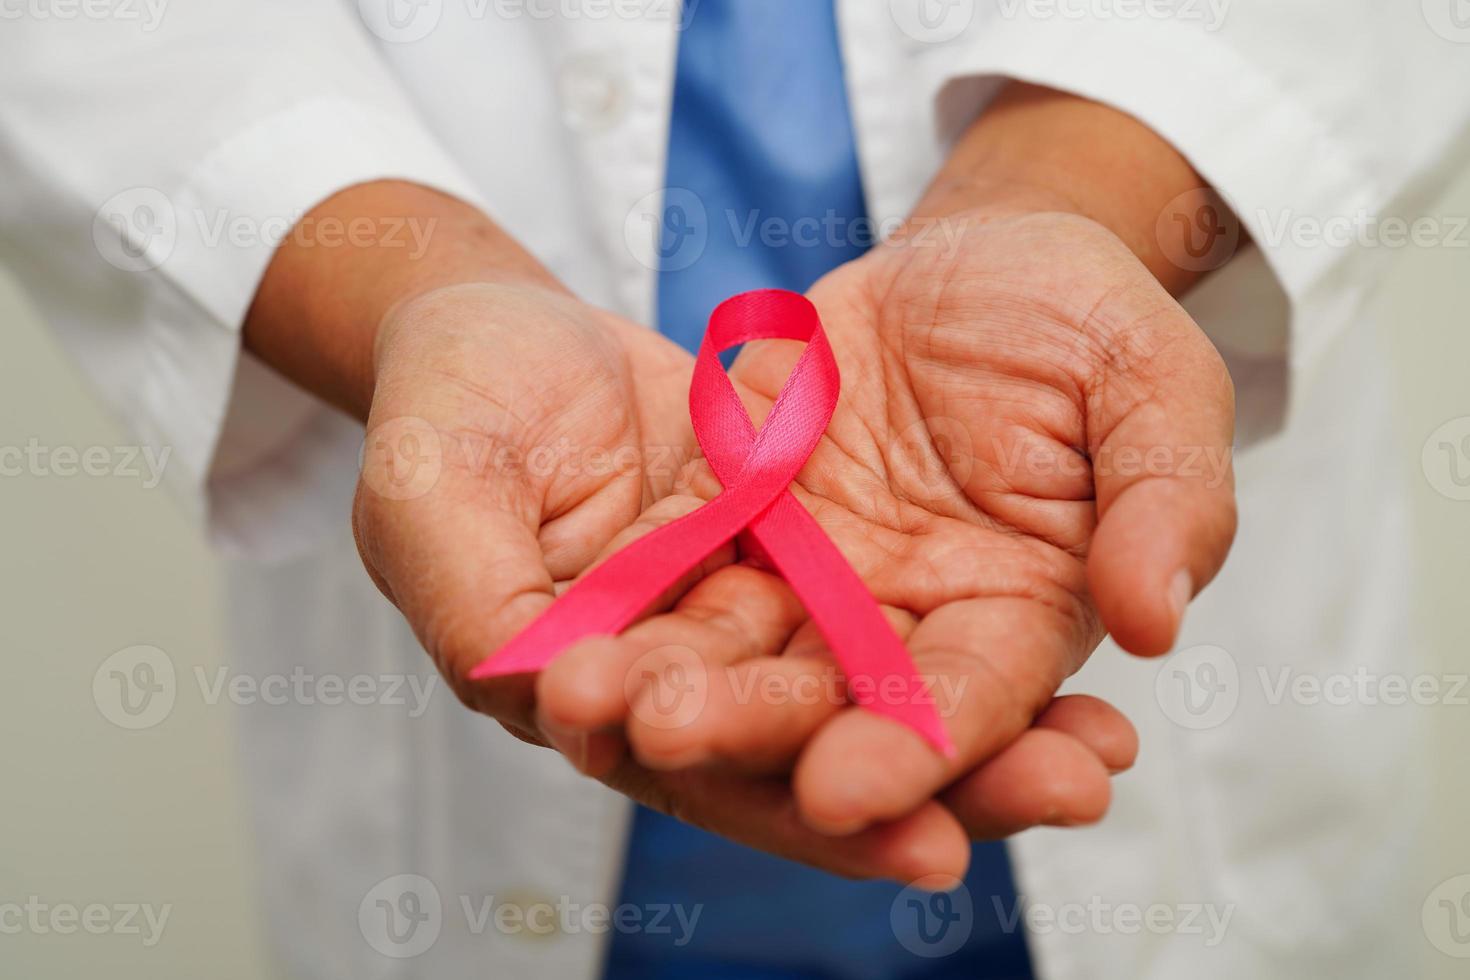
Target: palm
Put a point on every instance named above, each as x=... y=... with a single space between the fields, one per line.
x=527 y=402
x=954 y=468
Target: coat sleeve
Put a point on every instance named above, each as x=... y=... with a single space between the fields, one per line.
x=153 y=155
x=1328 y=129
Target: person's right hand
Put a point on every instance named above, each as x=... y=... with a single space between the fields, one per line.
x=507 y=445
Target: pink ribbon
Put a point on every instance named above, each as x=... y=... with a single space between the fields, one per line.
x=756 y=470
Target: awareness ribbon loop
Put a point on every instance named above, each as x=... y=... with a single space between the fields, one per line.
x=756 y=469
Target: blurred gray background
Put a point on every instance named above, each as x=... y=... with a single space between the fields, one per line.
x=89 y=565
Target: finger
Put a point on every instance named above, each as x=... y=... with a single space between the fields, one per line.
x=664 y=664
x=594 y=754
x=755 y=718
x=567 y=547
x=760 y=813
x=1163 y=420
x=461 y=561
x=759 y=711
x=991 y=666
x=1096 y=724
x=1054 y=774
x=665 y=511
x=1045 y=777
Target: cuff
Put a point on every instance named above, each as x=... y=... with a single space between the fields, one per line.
x=260 y=459
x=1262 y=150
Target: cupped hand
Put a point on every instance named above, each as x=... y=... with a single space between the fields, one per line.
x=1032 y=447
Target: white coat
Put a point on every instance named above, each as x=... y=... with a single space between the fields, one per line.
x=1262 y=834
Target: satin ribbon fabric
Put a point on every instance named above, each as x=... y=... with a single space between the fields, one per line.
x=756 y=469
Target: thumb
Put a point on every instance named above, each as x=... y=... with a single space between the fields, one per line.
x=1162 y=419
x=457 y=553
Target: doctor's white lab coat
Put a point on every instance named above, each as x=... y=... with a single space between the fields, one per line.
x=1259 y=836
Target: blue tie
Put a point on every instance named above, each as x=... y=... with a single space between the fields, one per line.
x=764 y=176
x=765 y=191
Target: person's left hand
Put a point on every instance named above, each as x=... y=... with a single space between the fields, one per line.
x=1032 y=446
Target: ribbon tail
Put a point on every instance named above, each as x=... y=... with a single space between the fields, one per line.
x=612 y=595
x=863 y=642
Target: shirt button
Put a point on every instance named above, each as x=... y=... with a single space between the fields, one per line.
x=593 y=91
